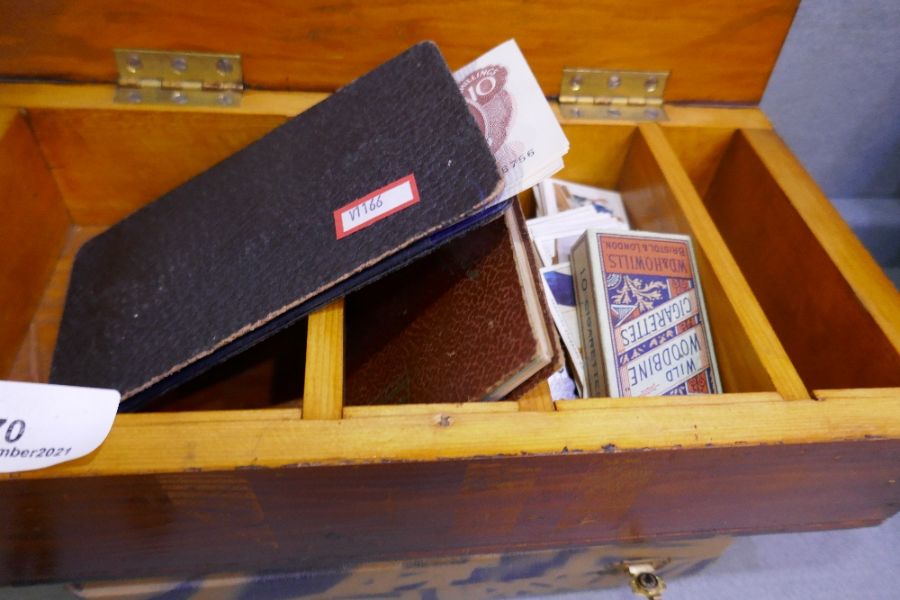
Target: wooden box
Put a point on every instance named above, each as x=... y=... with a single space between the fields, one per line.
x=806 y=326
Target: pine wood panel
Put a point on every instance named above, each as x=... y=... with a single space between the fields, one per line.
x=596 y=153
x=109 y=163
x=35 y=354
x=537 y=398
x=100 y=96
x=647 y=402
x=869 y=282
x=268 y=374
x=699 y=149
x=190 y=524
x=677 y=115
x=323 y=390
x=33 y=229
x=717 y=49
x=224 y=440
x=859 y=394
x=839 y=324
x=287 y=104
x=659 y=197
x=392 y=410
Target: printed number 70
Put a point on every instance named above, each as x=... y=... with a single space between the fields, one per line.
x=14 y=431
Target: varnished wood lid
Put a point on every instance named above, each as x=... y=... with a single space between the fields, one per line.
x=717 y=50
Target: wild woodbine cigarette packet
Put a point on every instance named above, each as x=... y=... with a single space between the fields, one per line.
x=644 y=326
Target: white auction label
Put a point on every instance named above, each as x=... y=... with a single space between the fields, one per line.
x=376 y=206
x=43 y=425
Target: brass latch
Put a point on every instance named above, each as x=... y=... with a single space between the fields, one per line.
x=645 y=582
x=179 y=78
x=610 y=94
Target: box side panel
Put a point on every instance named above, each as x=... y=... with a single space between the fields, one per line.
x=319 y=517
x=720 y=50
x=700 y=151
x=833 y=309
x=109 y=163
x=33 y=228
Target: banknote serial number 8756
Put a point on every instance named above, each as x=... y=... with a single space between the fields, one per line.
x=506 y=168
x=12 y=430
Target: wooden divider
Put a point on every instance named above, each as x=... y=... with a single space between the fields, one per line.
x=537 y=398
x=699 y=150
x=33 y=229
x=323 y=388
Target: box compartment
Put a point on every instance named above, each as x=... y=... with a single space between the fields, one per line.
x=836 y=313
x=103 y=175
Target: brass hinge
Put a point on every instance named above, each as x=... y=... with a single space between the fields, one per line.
x=611 y=94
x=179 y=78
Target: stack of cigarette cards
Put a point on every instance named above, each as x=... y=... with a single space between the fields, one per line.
x=644 y=327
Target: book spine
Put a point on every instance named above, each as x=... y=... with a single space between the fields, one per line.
x=586 y=304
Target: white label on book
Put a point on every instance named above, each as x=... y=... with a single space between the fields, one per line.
x=43 y=425
x=378 y=205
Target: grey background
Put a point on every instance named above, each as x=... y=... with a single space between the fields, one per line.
x=835 y=99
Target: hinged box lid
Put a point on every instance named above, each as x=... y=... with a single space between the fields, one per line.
x=716 y=50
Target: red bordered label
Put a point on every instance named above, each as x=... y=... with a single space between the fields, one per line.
x=376 y=206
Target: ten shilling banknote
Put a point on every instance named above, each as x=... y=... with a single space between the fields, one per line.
x=643 y=320
x=518 y=123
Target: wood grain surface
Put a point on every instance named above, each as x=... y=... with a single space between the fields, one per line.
x=537 y=398
x=269 y=374
x=862 y=273
x=833 y=309
x=239 y=439
x=35 y=353
x=323 y=388
x=287 y=104
x=33 y=228
x=189 y=524
x=716 y=49
x=699 y=150
x=109 y=163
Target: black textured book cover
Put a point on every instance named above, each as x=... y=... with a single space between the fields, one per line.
x=319 y=206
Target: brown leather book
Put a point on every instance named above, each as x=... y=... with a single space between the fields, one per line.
x=468 y=322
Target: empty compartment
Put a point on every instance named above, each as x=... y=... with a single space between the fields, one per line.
x=833 y=309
